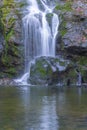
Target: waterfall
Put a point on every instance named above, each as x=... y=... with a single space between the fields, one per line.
x=39 y=33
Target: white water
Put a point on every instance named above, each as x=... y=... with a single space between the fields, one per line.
x=79 y=79
x=39 y=34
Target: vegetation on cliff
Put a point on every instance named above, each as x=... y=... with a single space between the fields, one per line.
x=73 y=31
x=10 y=53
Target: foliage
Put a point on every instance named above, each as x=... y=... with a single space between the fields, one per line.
x=63 y=31
x=11 y=71
x=65 y=7
x=9 y=13
x=7 y=22
x=82 y=60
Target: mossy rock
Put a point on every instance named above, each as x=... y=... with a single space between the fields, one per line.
x=46 y=70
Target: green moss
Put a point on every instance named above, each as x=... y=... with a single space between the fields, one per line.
x=62 y=63
x=49 y=15
x=7 y=21
x=72 y=73
x=41 y=69
x=11 y=71
x=82 y=63
x=10 y=55
x=65 y=7
x=63 y=29
x=63 y=32
x=56 y=60
x=82 y=60
x=5 y=60
x=13 y=50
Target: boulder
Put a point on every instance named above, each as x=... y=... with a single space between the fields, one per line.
x=48 y=70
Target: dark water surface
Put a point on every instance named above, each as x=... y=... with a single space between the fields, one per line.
x=39 y=108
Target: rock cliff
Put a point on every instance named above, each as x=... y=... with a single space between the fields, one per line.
x=71 y=46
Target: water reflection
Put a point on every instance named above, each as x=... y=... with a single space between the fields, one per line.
x=39 y=108
x=79 y=94
x=79 y=91
x=49 y=118
x=25 y=96
x=25 y=100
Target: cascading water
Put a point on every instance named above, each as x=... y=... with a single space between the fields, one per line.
x=39 y=34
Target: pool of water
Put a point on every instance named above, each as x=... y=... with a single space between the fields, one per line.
x=43 y=108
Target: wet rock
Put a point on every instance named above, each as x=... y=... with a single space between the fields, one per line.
x=47 y=70
x=77 y=50
x=73 y=25
x=7 y=82
x=18 y=36
x=58 y=41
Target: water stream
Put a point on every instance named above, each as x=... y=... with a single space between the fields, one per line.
x=40 y=29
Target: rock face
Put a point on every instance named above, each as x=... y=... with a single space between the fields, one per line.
x=57 y=71
x=48 y=71
x=73 y=27
x=73 y=34
x=11 y=46
x=71 y=49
